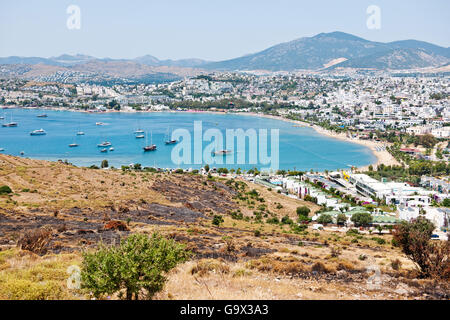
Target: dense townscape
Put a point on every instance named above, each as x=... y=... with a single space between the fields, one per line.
x=406 y=116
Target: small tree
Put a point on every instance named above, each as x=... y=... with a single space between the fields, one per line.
x=303 y=211
x=217 y=220
x=362 y=219
x=206 y=168
x=380 y=229
x=324 y=219
x=341 y=219
x=138 y=266
x=432 y=257
x=104 y=164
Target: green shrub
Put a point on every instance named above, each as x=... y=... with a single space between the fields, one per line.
x=303 y=211
x=217 y=220
x=5 y=190
x=352 y=232
x=299 y=228
x=104 y=164
x=137 y=266
x=273 y=220
x=362 y=219
x=286 y=220
x=379 y=240
x=324 y=219
x=302 y=219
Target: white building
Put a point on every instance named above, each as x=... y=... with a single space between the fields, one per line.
x=443 y=132
x=439 y=216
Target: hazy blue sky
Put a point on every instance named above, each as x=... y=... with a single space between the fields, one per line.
x=207 y=29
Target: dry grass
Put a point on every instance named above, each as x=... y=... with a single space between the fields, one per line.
x=61 y=186
x=207 y=266
x=275 y=265
x=26 y=276
x=35 y=241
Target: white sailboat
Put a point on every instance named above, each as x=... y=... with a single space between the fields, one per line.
x=74 y=144
x=168 y=140
x=10 y=124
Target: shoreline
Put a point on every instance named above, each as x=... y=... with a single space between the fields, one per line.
x=382 y=156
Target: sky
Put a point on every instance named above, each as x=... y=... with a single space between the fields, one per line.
x=206 y=29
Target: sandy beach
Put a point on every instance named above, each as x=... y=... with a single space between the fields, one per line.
x=377 y=148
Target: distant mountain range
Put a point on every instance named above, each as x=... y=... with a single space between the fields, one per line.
x=325 y=51
x=66 y=60
x=338 y=49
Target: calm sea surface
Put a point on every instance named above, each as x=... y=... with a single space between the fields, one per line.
x=299 y=148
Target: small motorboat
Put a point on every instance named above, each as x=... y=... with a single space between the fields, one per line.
x=171 y=142
x=39 y=132
x=80 y=133
x=73 y=145
x=99 y=124
x=104 y=150
x=141 y=136
x=104 y=144
x=111 y=149
x=222 y=153
x=2 y=149
x=42 y=115
x=139 y=131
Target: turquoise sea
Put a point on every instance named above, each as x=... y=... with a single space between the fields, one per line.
x=300 y=148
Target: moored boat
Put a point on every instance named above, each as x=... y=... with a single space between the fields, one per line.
x=151 y=146
x=9 y=125
x=104 y=144
x=222 y=152
x=39 y=132
x=168 y=140
x=171 y=142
